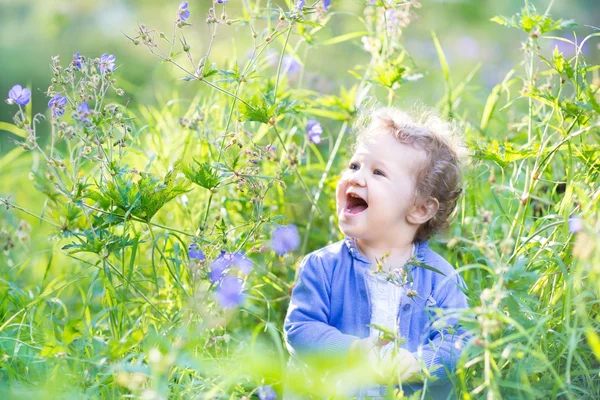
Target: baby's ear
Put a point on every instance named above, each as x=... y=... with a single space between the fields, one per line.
x=423 y=211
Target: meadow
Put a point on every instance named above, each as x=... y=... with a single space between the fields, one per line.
x=150 y=242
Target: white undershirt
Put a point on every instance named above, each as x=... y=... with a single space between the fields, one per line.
x=385 y=300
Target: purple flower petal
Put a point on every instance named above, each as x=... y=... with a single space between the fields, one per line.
x=570 y=49
x=266 y=393
x=285 y=239
x=218 y=267
x=314 y=130
x=77 y=60
x=243 y=264
x=183 y=13
x=226 y=261
x=194 y=252
x=19 y=95
x=57 y=104
x=326 y=4
x=575 y=224
x=230 y=292
x=107 y=63
x=290 y=65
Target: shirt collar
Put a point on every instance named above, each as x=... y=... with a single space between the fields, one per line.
x=420 y=250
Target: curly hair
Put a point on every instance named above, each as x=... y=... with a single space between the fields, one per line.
x=441 y=175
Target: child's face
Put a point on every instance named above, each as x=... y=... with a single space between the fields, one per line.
x=382 y=172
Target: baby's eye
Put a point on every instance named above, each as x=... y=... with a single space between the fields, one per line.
x=378 y=172
x=352 y=166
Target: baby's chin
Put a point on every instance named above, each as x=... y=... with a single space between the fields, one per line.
x=351 y=231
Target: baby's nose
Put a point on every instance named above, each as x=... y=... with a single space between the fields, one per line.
x=356 y=179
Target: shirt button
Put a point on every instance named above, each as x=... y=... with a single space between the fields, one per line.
x=406 y=307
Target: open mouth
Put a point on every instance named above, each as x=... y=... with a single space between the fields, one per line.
x=355 y=204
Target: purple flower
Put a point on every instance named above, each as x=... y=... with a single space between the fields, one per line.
x=107 y=63
x=326 y=4
x=568 y=49
x=266 y=393
x=314 y=131
x=77 y=60
x=57 y=105
x=230 y=292
x=289 y=65
x=194 y=252
x=183 y=12
x=285 y=239
x=84 y=112
x=300 y=4
x=467 y=47
x=19 y=95
x=226 y=261
x=575 y=225
x=222 y=1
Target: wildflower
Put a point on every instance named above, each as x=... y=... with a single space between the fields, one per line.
x=571 y=47
x=314 y=131
x=285 y=239
x=227 y=261
x=575 y=225
x=194 y=252
x=57 y=105
x=19 y=95
x=84 y=112
x=300 y=4
x=222 y=1
x=77 y=60
x=183 y=12
x=266 y=393
x=289 y=65
x=107 y=63
x=468 y=47
x=230 y=292
x=326 y=4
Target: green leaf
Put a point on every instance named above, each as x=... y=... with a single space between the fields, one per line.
x=502 y=20
x=343 y=38
x=490 y=105
x=260 y=113
x=202 y=174
x=12 y=128
x=503 y=153
x=143 y=198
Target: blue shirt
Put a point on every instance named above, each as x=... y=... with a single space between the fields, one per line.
x=330 y=308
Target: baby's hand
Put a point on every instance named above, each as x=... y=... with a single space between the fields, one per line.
x=368 y=348
x=397 y=366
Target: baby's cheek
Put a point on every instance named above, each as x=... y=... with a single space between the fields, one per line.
x=340 y=191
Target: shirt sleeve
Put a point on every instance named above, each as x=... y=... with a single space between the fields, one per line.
x=306 y=327
x=446 y=337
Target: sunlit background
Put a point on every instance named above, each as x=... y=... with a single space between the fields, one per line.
x=32 y=31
